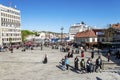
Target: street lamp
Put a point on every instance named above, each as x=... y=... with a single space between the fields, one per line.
x=61 y=33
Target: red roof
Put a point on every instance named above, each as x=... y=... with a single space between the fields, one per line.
x=87 y=33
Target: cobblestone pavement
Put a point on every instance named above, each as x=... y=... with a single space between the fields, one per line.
x=28 y=66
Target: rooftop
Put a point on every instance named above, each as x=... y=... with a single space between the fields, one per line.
x=87 y=33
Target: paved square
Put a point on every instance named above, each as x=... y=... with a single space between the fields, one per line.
x=28 y=66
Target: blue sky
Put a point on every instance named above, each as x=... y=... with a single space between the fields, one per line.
x=51 y=15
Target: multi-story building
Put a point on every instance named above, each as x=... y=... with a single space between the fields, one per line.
x=115 y=32
x=10 y=31
x=79 y=27
x=90 y=37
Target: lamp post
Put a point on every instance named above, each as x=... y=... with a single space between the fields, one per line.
x=61 y=34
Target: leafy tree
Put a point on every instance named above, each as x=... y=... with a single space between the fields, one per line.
x=82 y=22
x=36 y=34
x=26 y=33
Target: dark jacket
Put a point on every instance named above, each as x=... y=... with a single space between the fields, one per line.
x=98 y=61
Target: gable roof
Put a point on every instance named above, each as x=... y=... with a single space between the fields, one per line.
x=87 y=33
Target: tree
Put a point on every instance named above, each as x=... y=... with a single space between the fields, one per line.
x=36 y=34
x=26 y=33
x=82 y=22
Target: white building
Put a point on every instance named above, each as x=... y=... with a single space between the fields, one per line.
x=79 y=27
x=10 y=31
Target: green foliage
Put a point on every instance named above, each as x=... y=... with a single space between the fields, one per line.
x=26 y=33
x=36 y=34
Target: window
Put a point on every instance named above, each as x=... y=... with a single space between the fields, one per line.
x=98 y=40
x=93 y=39
x=7 y=39
x=2 y=39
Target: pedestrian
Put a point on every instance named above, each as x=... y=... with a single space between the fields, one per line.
x=11 y=49
x=108 y=56
x=66 y=62
x=71 y=55
x=82 y=65
x=68 y=54
x=88 y=65
x=31 y=47
x=77 y=50
x=91 y=66
x=63 y=64
x=92 y=54
x=76 y=63
x=45 y=59
x=82 y=54
x=72 y=51
x=98 y=63
x=117 y=54
x=23 y=50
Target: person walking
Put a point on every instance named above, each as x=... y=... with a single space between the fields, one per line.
x=68 y=54
x=72 y=52
x=92 y=54
x=82 y=54
x=63 y=64
x=98 y=63
x=82 y=65
x=66 y=62
x=88 y=65
x=76 y=63
x=108 y=56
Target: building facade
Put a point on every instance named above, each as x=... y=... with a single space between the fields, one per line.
x=90 y=37
x=115 y=32
x=79 y=27
x=10 y=31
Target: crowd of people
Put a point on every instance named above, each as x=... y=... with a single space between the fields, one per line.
x=82 y=65
x=81 y=62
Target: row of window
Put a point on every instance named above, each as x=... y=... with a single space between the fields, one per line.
x=10 y=34
x=11 y=30
x=10 y=11
x=10 y=25
x=9 y=20
x=10 y=39
x=84 y=40
x=101 y=40
x=93 y=40
x=10 y=16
